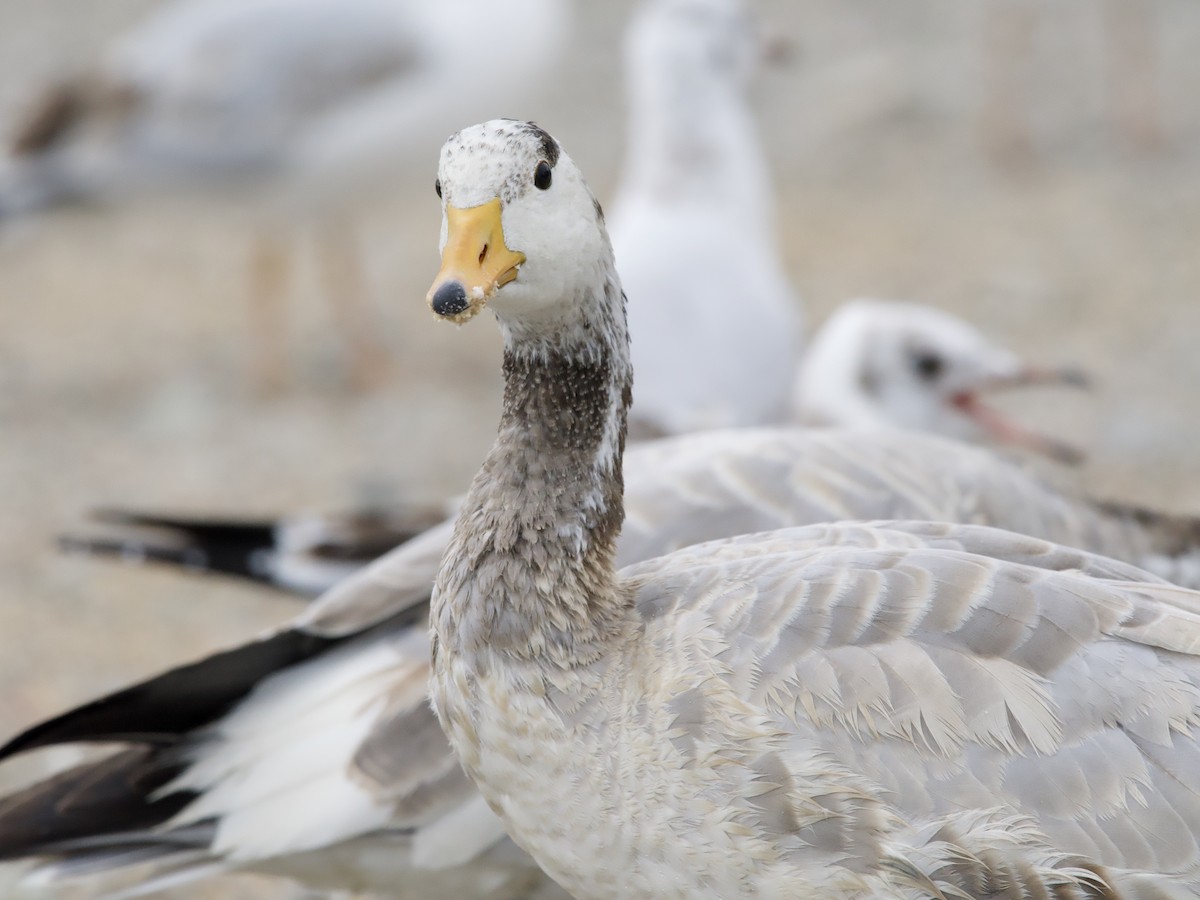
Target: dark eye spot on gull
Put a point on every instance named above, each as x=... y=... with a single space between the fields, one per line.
x=928 y=365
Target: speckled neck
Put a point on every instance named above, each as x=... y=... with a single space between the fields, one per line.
x=530 y=572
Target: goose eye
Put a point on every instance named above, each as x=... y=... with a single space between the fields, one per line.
x=541 y=176
x=437 y=188
x=928 y=365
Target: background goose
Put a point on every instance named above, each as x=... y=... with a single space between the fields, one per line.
x=784 y=713
x=246 y=737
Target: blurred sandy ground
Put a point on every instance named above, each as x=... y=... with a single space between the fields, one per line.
x=125 y=361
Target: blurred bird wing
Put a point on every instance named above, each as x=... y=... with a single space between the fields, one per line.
x=701 y=487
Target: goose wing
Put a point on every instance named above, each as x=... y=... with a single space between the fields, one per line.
x=992 y=691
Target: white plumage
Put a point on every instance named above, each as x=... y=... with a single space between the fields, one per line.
x=310 y=95
x=877 y=363
x=715 y=323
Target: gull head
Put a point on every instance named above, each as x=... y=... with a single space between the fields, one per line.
x=521 y=232
x=694 y=46
x=911 y=366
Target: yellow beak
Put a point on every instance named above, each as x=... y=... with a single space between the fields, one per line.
x=475 y=262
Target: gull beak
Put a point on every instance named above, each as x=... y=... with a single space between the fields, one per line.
x=1066 y=376
x=475 y=262
x=1006 y=431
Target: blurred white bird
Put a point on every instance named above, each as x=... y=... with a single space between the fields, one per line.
x=310 y=91
x=715 y=325
x=306 y=101
x=877 y=363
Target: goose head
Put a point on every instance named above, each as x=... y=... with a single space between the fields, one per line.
x=521 y=232
x=885 y=363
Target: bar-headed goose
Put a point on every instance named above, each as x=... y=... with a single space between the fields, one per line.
x=841 y=710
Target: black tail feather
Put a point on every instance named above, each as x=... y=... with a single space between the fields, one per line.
x=258 y=550
x=230 y=547
x=184 y=557
x=159 y=710
x=98 y=807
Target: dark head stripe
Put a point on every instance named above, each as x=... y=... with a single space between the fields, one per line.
x=547 y=145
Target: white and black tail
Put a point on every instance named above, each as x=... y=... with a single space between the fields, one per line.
x=110 y=813
x=303 y=555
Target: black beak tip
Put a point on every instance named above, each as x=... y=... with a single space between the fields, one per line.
x=450 y=299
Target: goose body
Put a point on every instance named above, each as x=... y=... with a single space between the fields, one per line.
x=846 y=710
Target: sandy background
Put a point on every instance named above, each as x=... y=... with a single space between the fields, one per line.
x=126 y=364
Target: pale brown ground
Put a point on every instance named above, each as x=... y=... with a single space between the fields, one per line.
x=124 y=358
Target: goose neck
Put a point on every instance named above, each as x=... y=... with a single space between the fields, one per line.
x=530 y=572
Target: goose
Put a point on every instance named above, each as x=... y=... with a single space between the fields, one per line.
x=292 y=107
x=263 y=786
x=890 y=709
x=312 y=752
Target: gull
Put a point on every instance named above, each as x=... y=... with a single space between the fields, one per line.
x=302 y=104
x=693 y=226
x=886 y=363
